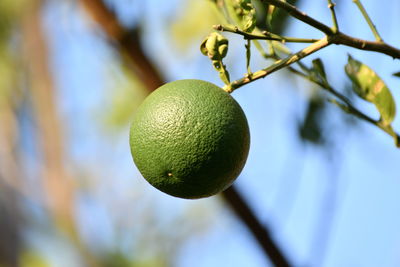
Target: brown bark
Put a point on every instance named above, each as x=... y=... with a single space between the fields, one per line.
x=10 y=186
x=58 y=186
x=127 y=40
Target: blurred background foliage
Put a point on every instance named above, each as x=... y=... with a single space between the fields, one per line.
x=69 y=194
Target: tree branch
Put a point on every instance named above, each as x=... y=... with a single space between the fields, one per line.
x=294 y=12
x=127 y=40
x=259 y=231
x=380 y=47
x=109 y=23
x=58 y=186
x=278 y=65
x=338 y=37
x=266 y=35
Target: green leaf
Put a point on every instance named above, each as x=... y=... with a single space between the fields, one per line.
x=312 y=126
x=370 y=87
x=318 y=71
x=319 y=67
x=397 y=74
x=194 y=20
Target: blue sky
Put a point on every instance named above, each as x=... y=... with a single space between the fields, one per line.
x=348 y=196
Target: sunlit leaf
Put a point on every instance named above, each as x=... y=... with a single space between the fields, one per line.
x=370 y=87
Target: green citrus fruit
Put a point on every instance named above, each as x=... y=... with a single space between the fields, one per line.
x=190 y=139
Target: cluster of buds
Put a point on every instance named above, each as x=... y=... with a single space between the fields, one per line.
x=215 y=46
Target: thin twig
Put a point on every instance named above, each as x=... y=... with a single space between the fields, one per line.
x=293 y=11
x=368 y=19
x=266 y=35
x=331 y=6
x=338 y=37
x=279 y=64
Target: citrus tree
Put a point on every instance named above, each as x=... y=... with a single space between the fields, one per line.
x=295 y=169
x=241 y=19
x=149 y=133
x=156 y=144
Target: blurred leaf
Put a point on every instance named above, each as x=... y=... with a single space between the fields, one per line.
x=318 y=71
x=117 y=260
x=397 y=74
x=319 y=67
x=10 y=91
x=278 y=18
x=311 y=127
x=261 y=14
x=370 y=87
x=281 y=48
x=32 y=259
x=243 y=14
x=194 y=22
x=127 y=94
x=10 y=10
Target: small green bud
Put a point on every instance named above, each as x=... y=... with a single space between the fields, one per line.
x=212 y=46
x=223 y=50
x=215 y=46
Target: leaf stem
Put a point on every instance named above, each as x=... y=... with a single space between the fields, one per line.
x=368 y=19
